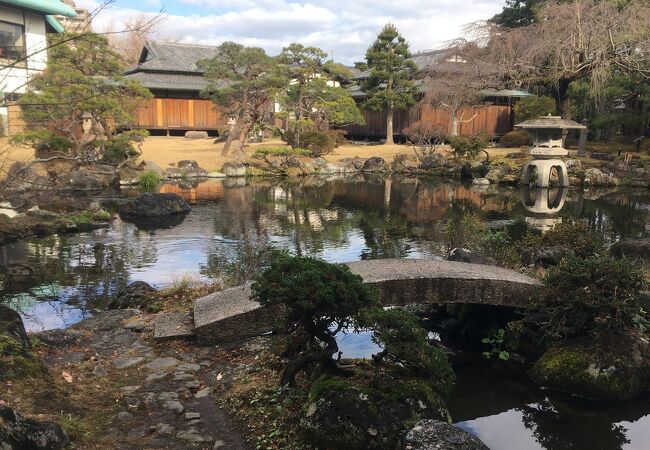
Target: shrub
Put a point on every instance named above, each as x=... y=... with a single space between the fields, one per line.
x=120 y=148
x=44 y=142
x=317 y=142
x=425 y=137
x=405 y=346
x=517 y=138
x=263 y=152
x=464 y=230
x=535 y=106
x=469 y=146
x=148 y=181
x=340 y=137
x=320 y=299
x=574 y=235
x=595 y=296
x=497 y=245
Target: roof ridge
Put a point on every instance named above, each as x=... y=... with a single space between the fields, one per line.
x=180 y=44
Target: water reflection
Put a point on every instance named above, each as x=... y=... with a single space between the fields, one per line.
x=543 y=206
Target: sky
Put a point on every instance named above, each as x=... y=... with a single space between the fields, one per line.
x=343 y=27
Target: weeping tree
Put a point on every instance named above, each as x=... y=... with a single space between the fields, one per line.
x=570 y=41
x=243 y=82
x=389 y=86
x=78 y=105
x=313 y=99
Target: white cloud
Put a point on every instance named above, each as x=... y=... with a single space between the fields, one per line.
x=345 y=27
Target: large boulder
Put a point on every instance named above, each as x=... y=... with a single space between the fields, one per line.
x=467 y=256
x=22 y=433
x=437 y=435
x=137 y=295
x=234 y=169
x=616 y=370
x=432 y=161
x=85 y=181
x=11 y=326
x=374 y=164
x=154 y=205
x=632 y=249
x=196 y=135
x=502 y=173
x=340 y=415
x=595 y=177
x=321 y=166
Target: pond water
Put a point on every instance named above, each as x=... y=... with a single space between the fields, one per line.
x=340 y=220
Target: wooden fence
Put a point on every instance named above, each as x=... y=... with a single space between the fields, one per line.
x=177 y=114
x=494 y=120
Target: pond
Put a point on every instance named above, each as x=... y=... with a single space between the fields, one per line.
x=342 y=219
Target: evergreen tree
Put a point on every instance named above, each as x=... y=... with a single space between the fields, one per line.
x=244 y=82
x=83 y=83
x=389 y=86
x=517 y=13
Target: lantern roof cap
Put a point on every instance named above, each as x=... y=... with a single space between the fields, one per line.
x=551 y=122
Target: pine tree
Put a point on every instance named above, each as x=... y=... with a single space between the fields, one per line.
x=389 y=86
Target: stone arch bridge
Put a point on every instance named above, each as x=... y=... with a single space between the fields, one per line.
x=231 y=315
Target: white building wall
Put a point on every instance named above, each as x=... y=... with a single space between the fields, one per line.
x=14 y=80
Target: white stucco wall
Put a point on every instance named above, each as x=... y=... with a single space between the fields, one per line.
x=14 y=79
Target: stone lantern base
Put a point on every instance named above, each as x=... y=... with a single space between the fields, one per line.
x=544 y=167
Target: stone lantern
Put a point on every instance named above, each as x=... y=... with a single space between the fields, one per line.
x=548 y=135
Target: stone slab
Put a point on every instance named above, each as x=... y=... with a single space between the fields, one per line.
x=173 y=325
x=231 y=315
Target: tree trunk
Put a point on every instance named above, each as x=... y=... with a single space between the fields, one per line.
x=239 y=151
x=389 y=127
x=454 y=124
x=562 y=105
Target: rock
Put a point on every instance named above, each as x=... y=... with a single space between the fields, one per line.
x=321 y=166
x=549 y=256
x=136 y=295
x=218 y=444
x=196 y=135
x=188 y=367
x=502 y=173
x=203 y=393
x=192 y=415
x=154 y=205
x=481 y=182
x=344 y=416
x=465 y=172
x=192 y=435
x=615 y=370
x=162 y=364
x=21 y=433
x=374 y=164
x=194 y=384
x=432 y=161
x=234 y=169
x=174 y=405
x=467 y=256
x=632 y=249
x=150 y=166
x=602 y=156
x=124 y=416
x=58 y=338
x=186 y=168
x=11 y=326
x=124 y=362
x=85 y=181
x=216 y=175
x=183 y=376
x=164 y=428
x=437 y=435
x=99 y=371
x=595 y=177
x=573 y=165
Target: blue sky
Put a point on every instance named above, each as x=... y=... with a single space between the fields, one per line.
x=344 y=27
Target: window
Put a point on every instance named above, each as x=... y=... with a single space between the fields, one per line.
x=12 y=41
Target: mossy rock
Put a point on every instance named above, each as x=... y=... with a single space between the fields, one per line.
x=612 y=372
x=18 y=362
x=340 y=414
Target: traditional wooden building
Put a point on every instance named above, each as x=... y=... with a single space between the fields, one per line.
x=170 y=72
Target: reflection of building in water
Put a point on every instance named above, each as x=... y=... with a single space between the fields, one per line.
x=545 y=205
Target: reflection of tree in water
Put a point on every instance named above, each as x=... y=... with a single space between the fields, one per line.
x=384 y=236
x=561 y=426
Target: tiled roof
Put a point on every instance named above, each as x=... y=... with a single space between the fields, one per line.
x=173 y=81
x=173 y=57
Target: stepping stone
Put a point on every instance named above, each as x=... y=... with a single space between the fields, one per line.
x=188 y=367
x=156 y=376
x=192 y=415
x=166 y=396
x=173 y=325
x=162 y=364
x=175 y=406
x=203 y=393
x=129 y=389
x=183 y=376
x=124 y=362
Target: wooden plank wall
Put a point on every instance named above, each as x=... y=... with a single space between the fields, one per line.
x=494 y=120
x=15 y=122
x=177 y=114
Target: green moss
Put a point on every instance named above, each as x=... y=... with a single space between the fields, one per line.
x=326 y=383
x=574 y=370
x=17 y=362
